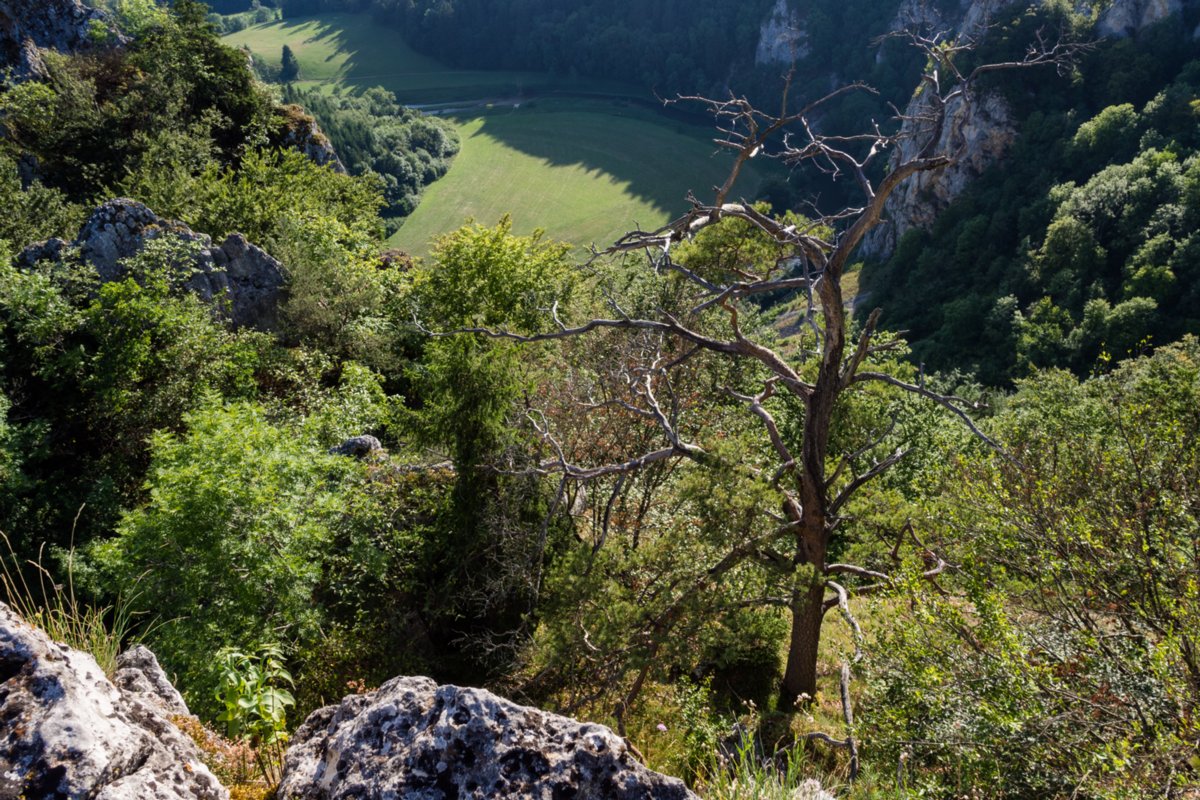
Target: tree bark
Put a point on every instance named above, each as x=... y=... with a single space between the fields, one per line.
x=800 y=676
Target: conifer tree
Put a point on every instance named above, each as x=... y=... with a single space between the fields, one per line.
x=290 y=69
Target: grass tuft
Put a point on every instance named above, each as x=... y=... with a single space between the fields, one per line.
x=53 y=607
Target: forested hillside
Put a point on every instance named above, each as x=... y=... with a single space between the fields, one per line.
x=1080 y=241
x=693 y=487
x=704 y=47
x=375 y=135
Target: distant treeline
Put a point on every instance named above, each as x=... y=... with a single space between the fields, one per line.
x=239 y=6
x=672 y=46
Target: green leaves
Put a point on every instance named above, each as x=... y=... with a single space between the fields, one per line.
x=225 y=551
x=489 y=277
x=1072 y=618
x=251 y=689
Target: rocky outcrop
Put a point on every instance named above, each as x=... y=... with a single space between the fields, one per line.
x=241 y=279
x=414 y=739
x=358 y=447
x=29 y=26
x=1126 y=17
x=782 y=38
x=68 y=732
x=299 y=130
x=978 y=133
x=139 y=675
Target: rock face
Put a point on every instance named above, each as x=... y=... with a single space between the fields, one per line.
x=1126 y=17
x=29 y=26
x=68 y=732
x=301 y=132
x=416 y=740
x=981 y=131
x=140 y=676
x=235 y=272
x=782 y=38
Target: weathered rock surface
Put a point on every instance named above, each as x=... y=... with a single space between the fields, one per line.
x=66 y=731
x=358 y=447
x=979 y=132
x=29 y=26
x=416 y=740
x=301 y=132
x=782 y=37
x=140 y=676
x=242 y=278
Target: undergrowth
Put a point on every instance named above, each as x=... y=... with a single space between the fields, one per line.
x=101 y=631
x=233 y=761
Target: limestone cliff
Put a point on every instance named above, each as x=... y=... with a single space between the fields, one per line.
x=27 y=27
x=979 y=131
x=782 y=38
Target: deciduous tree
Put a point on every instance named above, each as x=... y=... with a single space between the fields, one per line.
x=812 y=485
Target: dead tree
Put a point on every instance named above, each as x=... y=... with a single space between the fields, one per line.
x=814 y=492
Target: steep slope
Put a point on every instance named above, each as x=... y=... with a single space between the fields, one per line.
x=1073 y=237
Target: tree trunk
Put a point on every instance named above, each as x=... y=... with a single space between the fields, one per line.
x=800 y=676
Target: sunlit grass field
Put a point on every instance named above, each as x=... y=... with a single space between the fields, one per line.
x=584 y=172
x=582 y=160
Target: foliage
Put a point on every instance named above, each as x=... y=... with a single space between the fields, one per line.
x=338 y=295
x=140 y=17
x=251 y=688
x=744 y=774
x=481 y=277
x=223 y=551
x=34 y=213
x=672 y=47
x=54 y=607
x=469 y=388
x=372 y=133
x=1055 y=656
x=266 y=190
x=1081 y=241
x=1065 y=661
x=97 y=369
x=231 y=761
x=290 y=69
x=98 y=113
x=234 y=19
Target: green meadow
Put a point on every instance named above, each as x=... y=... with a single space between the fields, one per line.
x=585 y=172
x=583 y=160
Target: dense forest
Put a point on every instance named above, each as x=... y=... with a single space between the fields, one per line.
x=1081 y=242
x=375 y=135
x=681 y=490
x=671 y=47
